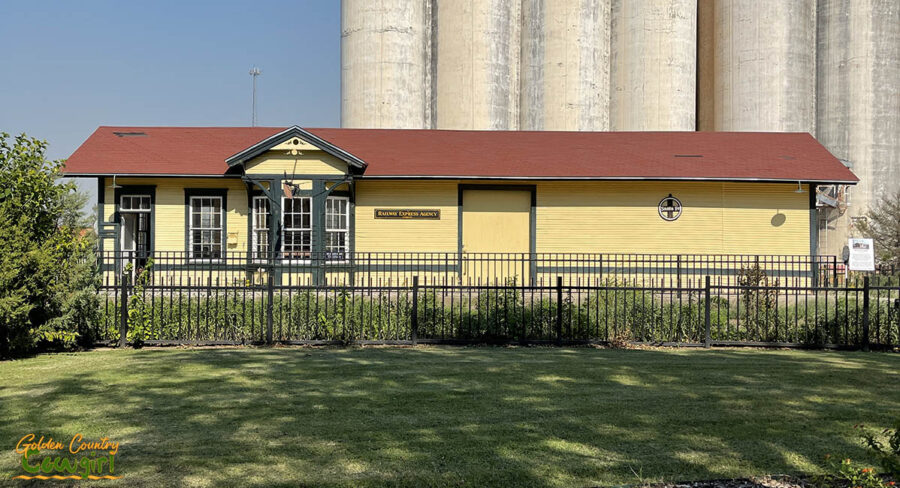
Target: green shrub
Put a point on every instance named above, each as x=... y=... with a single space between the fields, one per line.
x=140 y=322
x=47 y=279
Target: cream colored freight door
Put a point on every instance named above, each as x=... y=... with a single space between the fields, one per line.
x=495 y=236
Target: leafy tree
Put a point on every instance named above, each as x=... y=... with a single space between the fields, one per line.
x=883 y=225
x=47 y=269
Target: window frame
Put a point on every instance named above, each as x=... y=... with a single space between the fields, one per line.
x=345 y=231
x=285 y=229
x=254 y=230
x=189 y=195
x=131 y=196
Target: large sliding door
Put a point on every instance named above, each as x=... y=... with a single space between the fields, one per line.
x=496 y=235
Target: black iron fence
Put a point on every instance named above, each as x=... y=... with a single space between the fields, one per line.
x=750 y=305
x=472 y=269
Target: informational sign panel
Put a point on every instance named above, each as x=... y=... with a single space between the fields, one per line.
x=404 y=213
x=862 y=255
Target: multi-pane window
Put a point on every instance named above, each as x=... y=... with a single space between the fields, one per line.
x=260 y=237
x=337 y=223
x=206 y=229
x=134 y=203
x=296 y=225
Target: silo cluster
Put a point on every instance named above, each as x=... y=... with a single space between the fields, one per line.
x=827 y=67
x=858 y=103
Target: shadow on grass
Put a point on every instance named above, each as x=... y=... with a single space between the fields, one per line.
x=452 y=416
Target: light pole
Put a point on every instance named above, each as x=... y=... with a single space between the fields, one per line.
x=254 y=72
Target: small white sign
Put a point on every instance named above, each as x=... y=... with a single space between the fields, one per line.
x=862 y=255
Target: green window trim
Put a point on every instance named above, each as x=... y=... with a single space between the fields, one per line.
x=144 y=190
x=190 y=193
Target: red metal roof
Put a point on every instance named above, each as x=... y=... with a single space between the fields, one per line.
x=488 y=154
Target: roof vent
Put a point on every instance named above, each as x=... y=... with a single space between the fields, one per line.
x=130 y=134
x=688 y=155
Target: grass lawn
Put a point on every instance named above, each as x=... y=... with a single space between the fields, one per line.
x=449 y=416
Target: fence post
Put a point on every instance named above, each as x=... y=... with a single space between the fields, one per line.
x=123 y=311
x=834 y=273
x=414 y=318
x=559 y=310
x=678 y=273
x=813 y=271
x=865 y=317
x=270 y=307
x=706 y=314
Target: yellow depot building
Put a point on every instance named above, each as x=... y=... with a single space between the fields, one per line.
x=314 y=202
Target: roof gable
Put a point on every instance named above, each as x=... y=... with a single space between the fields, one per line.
x=295 y=163
x=293 y=136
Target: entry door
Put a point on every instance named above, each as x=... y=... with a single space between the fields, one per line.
x=134 y=215
x=496 y=235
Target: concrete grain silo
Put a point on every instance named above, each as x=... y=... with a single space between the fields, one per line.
x=828 y=67
x=384 y=64
x=757 y=65
x=565 y=65
x=858 y=113
x=476 y=48
x=653 y=65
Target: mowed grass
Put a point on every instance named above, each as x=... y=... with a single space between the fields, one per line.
x=436 y=416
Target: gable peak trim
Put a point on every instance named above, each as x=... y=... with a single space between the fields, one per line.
x=288 y=134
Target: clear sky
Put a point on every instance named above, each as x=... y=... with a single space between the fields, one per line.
x=67 y=67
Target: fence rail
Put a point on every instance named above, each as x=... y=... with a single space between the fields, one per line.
x=472 y=269
x=747 y=306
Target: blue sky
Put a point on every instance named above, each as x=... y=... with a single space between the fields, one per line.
x=68 y=67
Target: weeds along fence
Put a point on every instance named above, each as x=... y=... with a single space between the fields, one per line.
x=749 y=308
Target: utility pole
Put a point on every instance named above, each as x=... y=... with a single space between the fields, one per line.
x=254 y=72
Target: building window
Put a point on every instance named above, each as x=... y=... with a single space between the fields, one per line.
x=134 y=203
x=296 y=225
x=206 y=227
x=260 y=228
x=337 y=224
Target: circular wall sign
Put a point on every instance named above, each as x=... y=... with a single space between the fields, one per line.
x=670 y=208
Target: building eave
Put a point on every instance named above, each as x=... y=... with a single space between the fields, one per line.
x=149 y=175
x=604 y=178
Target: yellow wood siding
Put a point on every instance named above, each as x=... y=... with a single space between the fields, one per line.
x=608 y=217
x=622 y=217
x=765 y=219
x=301 y=184
x=406 y=235
x=309 y=163
x=168 y=220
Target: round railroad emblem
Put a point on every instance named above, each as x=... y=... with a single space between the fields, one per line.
x=670 y=208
